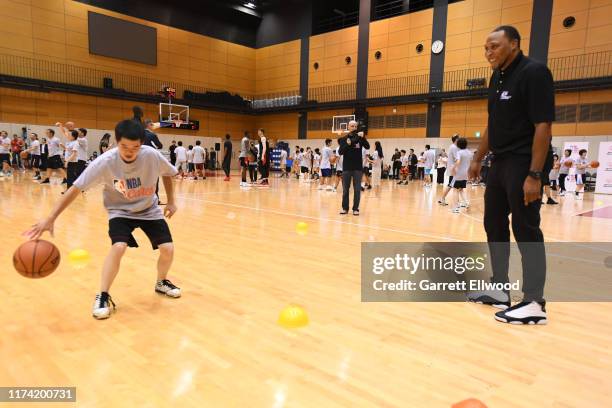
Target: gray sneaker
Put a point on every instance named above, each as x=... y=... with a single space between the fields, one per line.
x=496 y=298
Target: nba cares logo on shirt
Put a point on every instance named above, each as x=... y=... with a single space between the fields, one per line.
x=132 y=188
x=504 y=96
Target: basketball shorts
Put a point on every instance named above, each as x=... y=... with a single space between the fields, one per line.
x=326 y=172
x=304 y=169
x=5 y=157
x=199 y=166
x=55 y=162
x=404 y=171
x=181 y=165
x=427 y=171
x=366 y=171
x=243 y=162
x=190 y=167
x=35 y=161
x=459 y=183
x=120 y=230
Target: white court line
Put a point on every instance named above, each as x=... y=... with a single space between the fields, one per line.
x=321 y=219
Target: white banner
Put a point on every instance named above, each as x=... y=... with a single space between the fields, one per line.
x=604 y=172
x=575 y=147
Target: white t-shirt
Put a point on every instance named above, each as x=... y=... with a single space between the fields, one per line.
x=421 y=162
x=565 y=169
x=307 y=159
x=405 y=159
x=465 y=157
x=54 y=146
x=70 y=148
x=129 y=188
x=364 y=157
x=190 y=156
x=198 y=155
x=181 y=154
x=5 y=145
x=326 y=155
x=430 y=158
x=244 y=147
x=317 y=161
x=82 y=153
x=339 y=160
x=442 y=161
x=583 y=162
x=35 y=146
x=377 y=161
x=283 y=158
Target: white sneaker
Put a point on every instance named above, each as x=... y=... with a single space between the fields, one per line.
x=334 y=189
x=102 y=306
x=330 y=188
x=579 y=197
x=321 y=188
x=168 y=288
x=524 y=313
x=464 y=205
x=1 y=174
x=455 y=210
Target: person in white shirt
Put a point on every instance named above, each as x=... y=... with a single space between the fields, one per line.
x=306 y=164
x=82 y=153
x=198 y=160
x=129 y=174
x=5 y=157
x=338 y=159
x=296 y=162
x=460 y=174
x=581 y=166
x=316 y=164
x=405 y=167
x=34 y=151
x=566 y=163
x=376 y=160
x=450 y=164
x=429 y=158
x=441 y=167
x=366 y=169
x=54 y=162
x=71 y=157
x=283 y=163
x=326 y=162
x=190 y=166
x=181 y=159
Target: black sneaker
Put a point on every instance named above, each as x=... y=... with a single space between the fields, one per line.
x=167 y=288
x=551 y=201
x=64 y=181
x=45 y=181
x=496 y=298
x=102 y=306
x=524 y=313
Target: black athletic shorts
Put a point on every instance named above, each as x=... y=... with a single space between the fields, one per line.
x=55 y=162
x=120 y=230
x=5 y=157
x=35 y=161
x=366 y=171
x=243 y=162
x=450 y=181
x=460 y=183
x=304 y=169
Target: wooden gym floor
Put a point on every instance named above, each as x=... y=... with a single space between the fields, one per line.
x=240 y=262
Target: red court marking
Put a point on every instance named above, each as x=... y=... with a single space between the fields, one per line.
x=604 y=212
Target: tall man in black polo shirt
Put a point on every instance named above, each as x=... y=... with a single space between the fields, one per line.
x=352 y=166
x=521 y=109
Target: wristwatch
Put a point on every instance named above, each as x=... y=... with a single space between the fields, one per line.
x=536 y=174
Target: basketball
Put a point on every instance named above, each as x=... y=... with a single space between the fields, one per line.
x=594 y=164
x=69 y=125
x=23 y=155
x=569 y=163
x=469 y=403
x=36 y=259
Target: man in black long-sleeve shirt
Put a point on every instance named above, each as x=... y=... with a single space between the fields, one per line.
x=151 y=138
x=352 y=166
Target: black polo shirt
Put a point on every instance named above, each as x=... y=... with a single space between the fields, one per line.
x=519 y=97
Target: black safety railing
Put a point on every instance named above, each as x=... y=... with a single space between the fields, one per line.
x=333 y=93
x=406 y=85
x=592 y=65
x=569 y=72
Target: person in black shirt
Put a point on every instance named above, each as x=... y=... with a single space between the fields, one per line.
x=227 y=157
x=521 y=109
x=397 y=164
x=413 y=160
x=264 y=158
x=171 y=149
x=151 y=138
x=352 y=166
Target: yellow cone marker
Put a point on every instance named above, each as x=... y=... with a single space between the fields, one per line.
x=301 y=228
x=293 y=317
x=79 y=258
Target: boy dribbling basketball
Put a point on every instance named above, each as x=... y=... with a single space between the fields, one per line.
x=129 y=173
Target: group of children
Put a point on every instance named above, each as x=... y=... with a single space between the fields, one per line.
x=47 y=155
x=561 y=172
